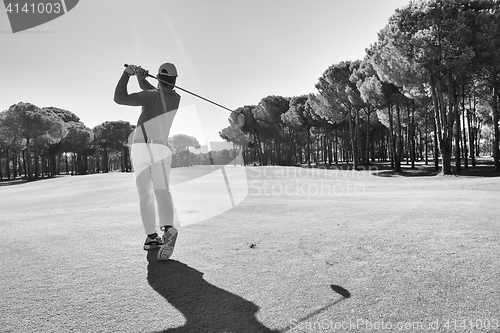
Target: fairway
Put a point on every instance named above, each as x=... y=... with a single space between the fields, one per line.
x=415 y=253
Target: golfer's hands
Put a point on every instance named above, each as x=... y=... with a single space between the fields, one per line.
x=141 y=73
x=131 y=70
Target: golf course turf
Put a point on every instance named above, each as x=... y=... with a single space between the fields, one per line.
x=307 y=250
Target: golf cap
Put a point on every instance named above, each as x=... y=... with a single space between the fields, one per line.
x=167 y=69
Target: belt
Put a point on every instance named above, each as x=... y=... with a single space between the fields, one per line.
x=165 y=143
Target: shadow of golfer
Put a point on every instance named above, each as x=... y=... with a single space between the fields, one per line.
x=206 y=307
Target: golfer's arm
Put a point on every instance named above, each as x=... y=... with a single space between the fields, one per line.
x=121 y=94
x=144 y=84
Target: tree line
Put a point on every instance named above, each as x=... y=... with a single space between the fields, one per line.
x=426 y=90
x=44 y=142
x=38 y=142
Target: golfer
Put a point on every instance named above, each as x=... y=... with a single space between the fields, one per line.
x=151 y=156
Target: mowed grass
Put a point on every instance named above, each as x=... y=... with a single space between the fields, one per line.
x=414 y=252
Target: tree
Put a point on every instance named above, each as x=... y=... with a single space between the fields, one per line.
x=233 y=134
x=268 y=113
x=343 y=99
x=370 y=88
x=397 y=75
x=253 y=129
x=65 y=115
x=112 y=137
x=11 y=144
x=431 y=41
x=54 y=149
x=300 y=115
x=487 y=48
x=180 y=144
x=31 y=123
x=77 y=142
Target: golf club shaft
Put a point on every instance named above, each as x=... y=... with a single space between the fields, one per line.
x=189 y=92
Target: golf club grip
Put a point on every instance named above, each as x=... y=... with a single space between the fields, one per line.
x=154 y=77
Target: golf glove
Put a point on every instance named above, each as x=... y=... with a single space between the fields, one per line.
x=131 y=70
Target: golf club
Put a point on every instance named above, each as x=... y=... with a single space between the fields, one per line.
x=240 y=120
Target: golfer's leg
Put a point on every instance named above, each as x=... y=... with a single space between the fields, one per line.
x=146 y=200
x=141 y=161
x=161 y=174
x=165 y=207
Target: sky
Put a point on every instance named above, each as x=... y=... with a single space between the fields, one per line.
x=234 y=52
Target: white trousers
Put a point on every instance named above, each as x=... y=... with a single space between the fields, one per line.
x=152 y=163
